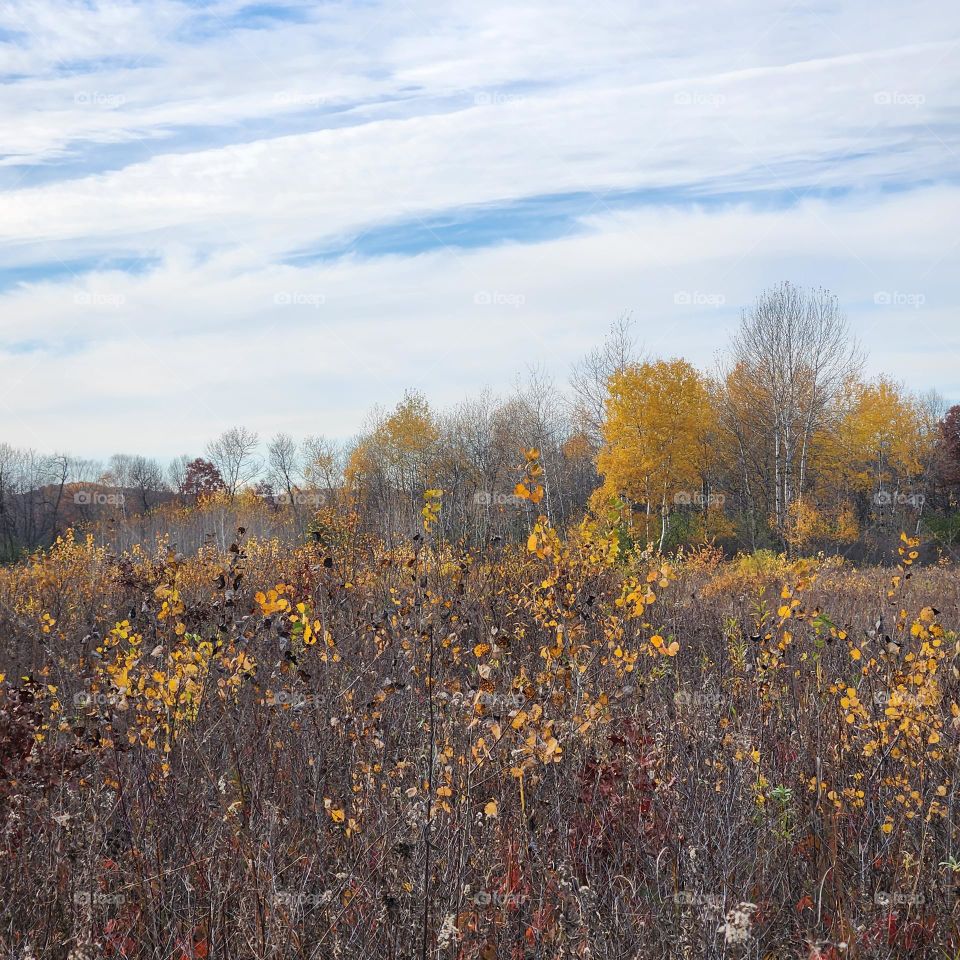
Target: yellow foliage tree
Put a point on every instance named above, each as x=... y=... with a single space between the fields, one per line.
x=658 y=418
x=392 y=465
x=879 y=445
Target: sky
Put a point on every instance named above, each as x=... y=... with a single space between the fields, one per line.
x=281 y=214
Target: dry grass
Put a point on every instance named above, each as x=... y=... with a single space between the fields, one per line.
x=424 y=752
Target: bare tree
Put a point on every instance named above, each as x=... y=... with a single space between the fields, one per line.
x=147 y=480
x=31 y=494
x=141 y=475
x=85 y=471
x=590 y=376
x=177 y=472
x=933 y=408
x=323 y=463
x=119 y=472
x=234 y=453
x=283 y=458
x=795 y=348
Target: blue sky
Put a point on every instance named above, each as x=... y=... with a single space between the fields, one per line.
x=281 y=214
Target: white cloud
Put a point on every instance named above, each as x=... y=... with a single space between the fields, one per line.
x=188 y=349
x=215 y=153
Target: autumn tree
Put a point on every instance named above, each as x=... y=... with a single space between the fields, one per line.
x=657 y=417
x=948 y=451
x=201 y=478
x=879 y=449
x=390 y=464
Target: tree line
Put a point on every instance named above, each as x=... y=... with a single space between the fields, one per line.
x=782 y=445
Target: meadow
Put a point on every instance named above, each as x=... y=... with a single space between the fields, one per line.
x=479 y=481
x=545 y=749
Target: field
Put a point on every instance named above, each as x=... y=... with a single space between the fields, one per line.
x=544 y=750
x=479 y=481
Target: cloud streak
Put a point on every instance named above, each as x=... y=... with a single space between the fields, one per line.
x=170 y=172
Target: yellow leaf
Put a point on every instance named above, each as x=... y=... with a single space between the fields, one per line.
x=490 y=808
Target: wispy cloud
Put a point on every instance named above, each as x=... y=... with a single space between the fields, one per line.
x=171 y=171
